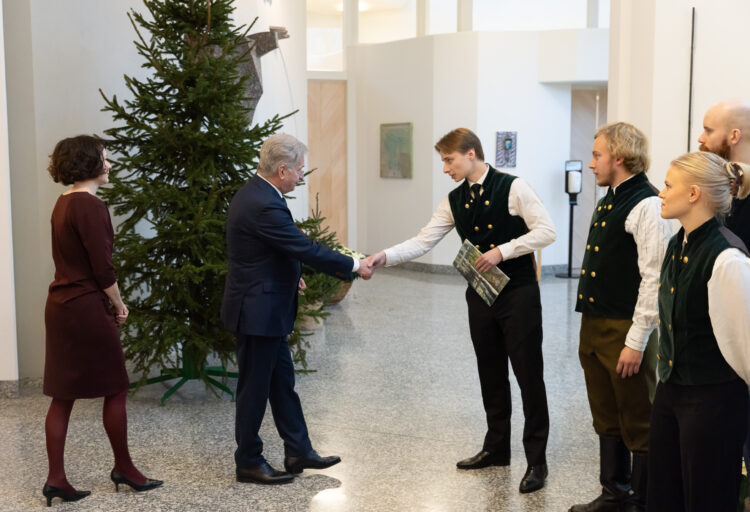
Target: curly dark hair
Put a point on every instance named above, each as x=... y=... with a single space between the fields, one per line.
x=77 y=159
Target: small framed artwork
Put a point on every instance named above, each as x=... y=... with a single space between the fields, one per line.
x=505 y=154
x=396 y=150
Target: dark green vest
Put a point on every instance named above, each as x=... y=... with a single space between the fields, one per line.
x=609 y=274
x=688 y=352
x=488 y=224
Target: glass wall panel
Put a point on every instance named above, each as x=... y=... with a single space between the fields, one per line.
x=443 y=16
x=325 y=21
x=529 y=14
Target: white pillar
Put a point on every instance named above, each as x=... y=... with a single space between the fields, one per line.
x=351 y=24
x=423 y=17
x=592 y=13
x=8 y=340
x=465 y=15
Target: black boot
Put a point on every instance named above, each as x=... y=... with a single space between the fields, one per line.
x=636 y=501
x=614 y=475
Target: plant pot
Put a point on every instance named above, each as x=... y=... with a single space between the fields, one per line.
x=339 y=295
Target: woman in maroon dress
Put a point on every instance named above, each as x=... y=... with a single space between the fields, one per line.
x=84 y=358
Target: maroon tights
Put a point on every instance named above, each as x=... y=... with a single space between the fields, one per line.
x=115 y=422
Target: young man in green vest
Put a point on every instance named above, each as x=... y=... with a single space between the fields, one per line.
x=502 y=216
x=617 y=294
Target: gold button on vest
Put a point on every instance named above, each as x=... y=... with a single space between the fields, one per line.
x=588 y=246
x=684 y=259
x=593 y=274
x=591 y=299
x=492 y=246
x=580 y=295
x=583 y=271
x=596 y=248
x=466 y=205
x=489 y=226
x=476 y=228
x=604 y=223
x=486 y=203
x=609 y=207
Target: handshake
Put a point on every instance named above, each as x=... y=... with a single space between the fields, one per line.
x=368 y=265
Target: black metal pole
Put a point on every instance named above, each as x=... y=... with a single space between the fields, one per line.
x=570 y=242
x=690 y=79
x=572 y=201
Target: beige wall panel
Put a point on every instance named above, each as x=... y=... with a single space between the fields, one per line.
x=327 y=151
x=583 y=126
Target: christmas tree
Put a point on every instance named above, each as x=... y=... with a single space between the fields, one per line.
x=182 y=147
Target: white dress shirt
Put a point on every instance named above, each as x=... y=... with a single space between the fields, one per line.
x=651 y=234
x=355 y=260
x=729 y=309
x=522 y=201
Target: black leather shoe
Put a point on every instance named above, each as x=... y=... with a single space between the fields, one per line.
x=51 y=492
x=606 y=502
x=533 y=480
x=310 y=461
x=263 y=474
x=484 y=459
x=118 y=479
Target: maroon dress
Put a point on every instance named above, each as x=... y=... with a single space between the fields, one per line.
x=84 y=357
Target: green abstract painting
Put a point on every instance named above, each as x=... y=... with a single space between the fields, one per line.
x=396 y=154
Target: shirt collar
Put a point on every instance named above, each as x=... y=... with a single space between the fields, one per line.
x=614 y=189
x=481 y=178
x=274 y=186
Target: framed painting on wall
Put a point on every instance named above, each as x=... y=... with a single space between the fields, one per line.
x=396 y=150
x=505 y=151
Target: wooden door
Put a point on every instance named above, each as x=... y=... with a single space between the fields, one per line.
x=326 y=133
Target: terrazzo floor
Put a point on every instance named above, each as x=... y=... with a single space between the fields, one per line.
x=395 y=394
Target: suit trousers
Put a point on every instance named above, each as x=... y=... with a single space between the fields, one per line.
x=511 y=329
x=266 y=374
x=695 y=459
x=620 y=407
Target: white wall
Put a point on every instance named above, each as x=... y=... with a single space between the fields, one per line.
x=650 y=87
x=440 y=83
x=385 y=207
x=58 y=55
x=8 y=346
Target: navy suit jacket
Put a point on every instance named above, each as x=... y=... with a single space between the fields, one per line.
x=265 y=248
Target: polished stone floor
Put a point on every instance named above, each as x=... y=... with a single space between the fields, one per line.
x=396 y=395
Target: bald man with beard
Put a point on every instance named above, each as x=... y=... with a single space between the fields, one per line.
x=726 y=132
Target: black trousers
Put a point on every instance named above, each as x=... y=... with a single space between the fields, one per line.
x=266 y=374
x=511 y=329
x=695 y=447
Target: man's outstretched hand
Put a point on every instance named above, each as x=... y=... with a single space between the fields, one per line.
x=365 y=270
x=376 y=260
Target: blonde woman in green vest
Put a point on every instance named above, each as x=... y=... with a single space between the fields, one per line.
x=699 y=415
x=504 y=218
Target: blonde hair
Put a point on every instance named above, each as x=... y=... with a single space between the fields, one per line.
x=715 y=177
x=627 y=142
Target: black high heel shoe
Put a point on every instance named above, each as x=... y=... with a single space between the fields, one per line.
x=53 y=492
x=118 y=479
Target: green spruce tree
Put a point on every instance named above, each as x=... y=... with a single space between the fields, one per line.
x=182 y=147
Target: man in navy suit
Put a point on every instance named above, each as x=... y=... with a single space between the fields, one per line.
x=260 y=304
